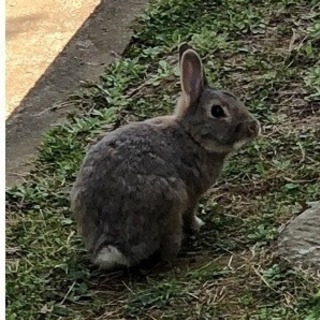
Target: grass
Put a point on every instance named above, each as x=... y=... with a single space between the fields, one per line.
x=267 y=52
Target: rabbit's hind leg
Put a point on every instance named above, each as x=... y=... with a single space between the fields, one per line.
x=171 y=238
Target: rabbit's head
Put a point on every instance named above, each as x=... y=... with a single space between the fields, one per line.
x=216 y=119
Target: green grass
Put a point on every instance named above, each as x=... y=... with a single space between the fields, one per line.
x=268 y=53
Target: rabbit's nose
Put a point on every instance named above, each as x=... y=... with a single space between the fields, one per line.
x=254 y=127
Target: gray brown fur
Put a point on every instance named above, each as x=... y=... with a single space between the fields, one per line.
x=140 y=183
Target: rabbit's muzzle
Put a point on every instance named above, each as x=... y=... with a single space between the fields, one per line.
x=246 y=131
x=253 y=128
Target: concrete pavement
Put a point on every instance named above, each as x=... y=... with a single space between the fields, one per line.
x=36 y=32
x=50 y=47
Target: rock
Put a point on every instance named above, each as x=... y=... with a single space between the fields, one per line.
x=299 y=242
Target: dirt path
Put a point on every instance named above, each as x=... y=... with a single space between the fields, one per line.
x=35 y=36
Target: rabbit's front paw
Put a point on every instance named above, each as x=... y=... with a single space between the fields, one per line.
x=197 y=223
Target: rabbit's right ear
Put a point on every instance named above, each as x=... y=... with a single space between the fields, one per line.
x=182 y=48
x=191 y=77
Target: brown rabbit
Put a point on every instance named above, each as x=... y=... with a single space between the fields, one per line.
x=139 y=185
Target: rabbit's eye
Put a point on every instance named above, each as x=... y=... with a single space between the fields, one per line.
x=217 y=111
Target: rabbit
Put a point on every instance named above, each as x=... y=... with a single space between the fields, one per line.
x=138 y=186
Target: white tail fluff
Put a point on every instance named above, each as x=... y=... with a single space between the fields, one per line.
x=110 y=257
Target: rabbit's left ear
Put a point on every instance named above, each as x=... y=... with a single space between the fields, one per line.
x=184 y=47
x=191 y=76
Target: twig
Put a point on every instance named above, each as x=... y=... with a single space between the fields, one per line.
x=136 y=90
x=115 y=54
x=303 y=154
x=230 y=262
x=192 y=295
x=56 y=106
x=67 y=294
x=300 y=181
x=127 y=287
x=12 y=250
x=263 y=279
x=292 y=41
x=18 y=174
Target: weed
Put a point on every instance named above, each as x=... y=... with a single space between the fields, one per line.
x=267 y=52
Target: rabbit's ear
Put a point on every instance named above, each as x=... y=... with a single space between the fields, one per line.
x=191 y=76
x=182 y=48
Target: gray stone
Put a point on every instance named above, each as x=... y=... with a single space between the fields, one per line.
x=299 y=242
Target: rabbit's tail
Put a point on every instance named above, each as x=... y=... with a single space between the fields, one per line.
x=110 y=257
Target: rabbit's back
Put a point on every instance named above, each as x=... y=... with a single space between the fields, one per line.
x=126 y=188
